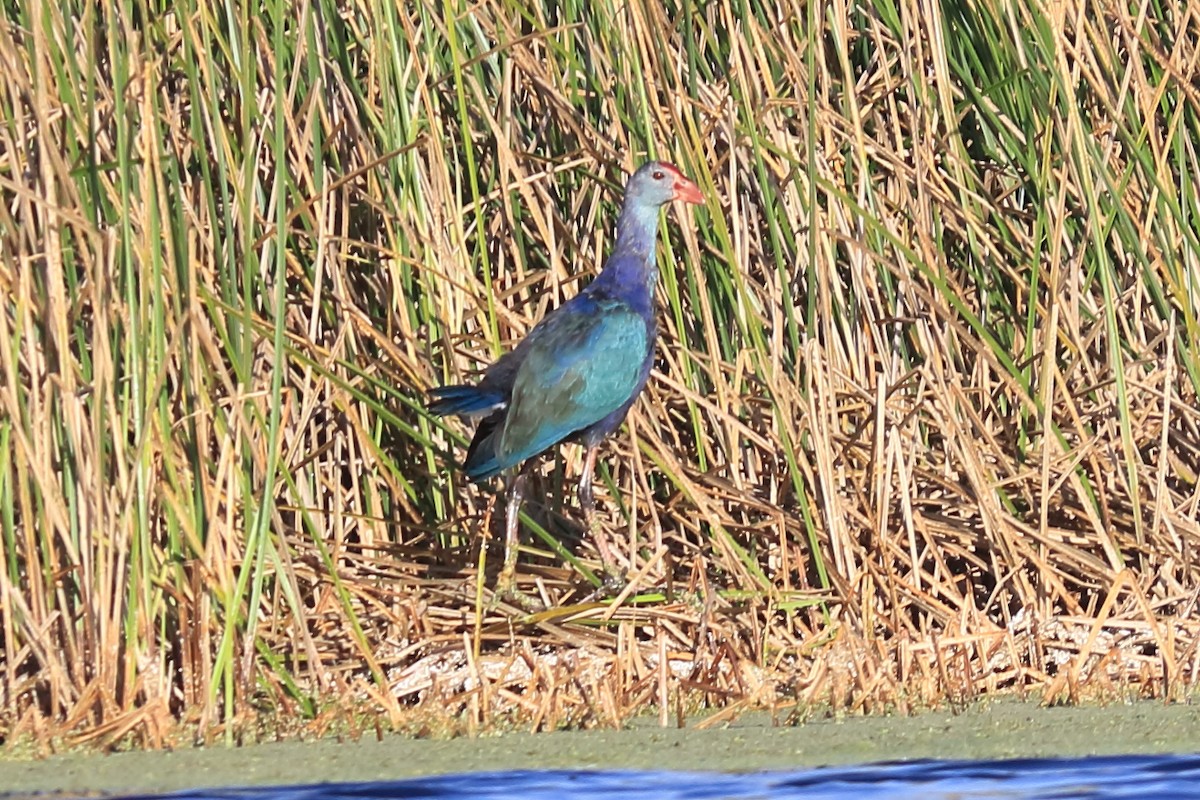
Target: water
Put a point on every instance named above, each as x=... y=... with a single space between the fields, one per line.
x=1142 y=777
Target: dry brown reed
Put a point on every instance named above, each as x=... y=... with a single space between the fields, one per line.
x=924 y=427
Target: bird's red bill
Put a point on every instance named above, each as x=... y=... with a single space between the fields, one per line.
x=687 y=191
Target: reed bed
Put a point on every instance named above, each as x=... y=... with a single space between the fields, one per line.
x=923 y=428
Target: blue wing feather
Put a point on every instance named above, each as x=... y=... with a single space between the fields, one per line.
x=581 y=366
x=579 y=372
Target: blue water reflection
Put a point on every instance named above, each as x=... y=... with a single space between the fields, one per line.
x=1143 y=777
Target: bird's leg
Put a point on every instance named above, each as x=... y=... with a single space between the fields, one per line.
x=587 y=500
x=512 y=534
x=506 y=583
x=613 y=576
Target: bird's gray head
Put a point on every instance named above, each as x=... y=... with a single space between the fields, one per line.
x=658 y=182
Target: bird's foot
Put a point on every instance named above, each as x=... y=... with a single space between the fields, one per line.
x=612 y=581
x=614 y=578
x=506 y=590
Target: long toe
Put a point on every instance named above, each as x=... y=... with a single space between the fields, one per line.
x=506 y=591
x=614 y=580
x=610 y=586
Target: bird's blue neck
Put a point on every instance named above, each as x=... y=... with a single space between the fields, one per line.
x=631 y=270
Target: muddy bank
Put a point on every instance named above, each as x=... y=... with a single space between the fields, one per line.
x=1004 y=729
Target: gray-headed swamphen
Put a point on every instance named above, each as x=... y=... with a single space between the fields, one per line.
x=576 y=374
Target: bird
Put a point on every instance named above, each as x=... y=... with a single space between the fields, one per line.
x=577 y=373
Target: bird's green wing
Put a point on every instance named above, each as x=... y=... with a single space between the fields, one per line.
x=578 y=371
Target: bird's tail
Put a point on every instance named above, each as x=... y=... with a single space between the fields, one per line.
x=482 y=462
x=471 y=401
x=468 y=401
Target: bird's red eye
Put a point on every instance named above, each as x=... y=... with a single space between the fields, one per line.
x=658 y=175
